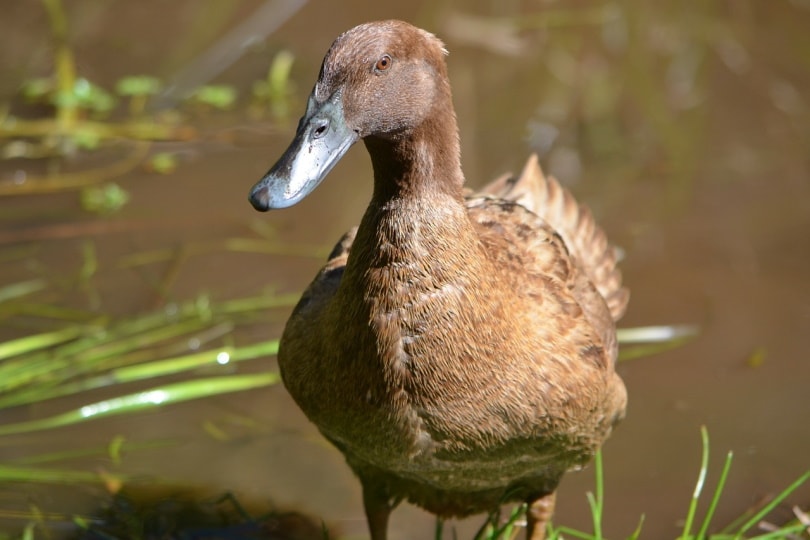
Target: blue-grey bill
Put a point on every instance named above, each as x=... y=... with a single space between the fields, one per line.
x=322 y=138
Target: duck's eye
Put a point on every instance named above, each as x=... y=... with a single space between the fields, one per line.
x=383 y=63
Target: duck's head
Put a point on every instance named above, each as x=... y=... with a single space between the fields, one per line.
x=379 y=81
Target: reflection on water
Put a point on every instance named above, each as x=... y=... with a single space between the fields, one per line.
x=684 y=127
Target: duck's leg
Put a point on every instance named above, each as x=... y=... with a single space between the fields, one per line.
x=538 y=514
x=378 y=506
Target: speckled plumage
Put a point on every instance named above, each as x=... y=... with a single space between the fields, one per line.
x=458 y=348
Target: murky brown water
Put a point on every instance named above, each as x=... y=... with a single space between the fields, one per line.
x=685 y=127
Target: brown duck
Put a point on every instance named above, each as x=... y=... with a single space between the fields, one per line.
x=459 y=349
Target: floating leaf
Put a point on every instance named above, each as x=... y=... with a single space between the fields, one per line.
x=37 y=89
x=91 y=97
x=104 y=200
x=163 y=163
x=138 y=85
x=757 y=357
x=89 y=139
x=217 y=96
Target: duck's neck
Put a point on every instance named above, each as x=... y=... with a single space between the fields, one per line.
x=417 y=212
x=415 y=244
x=423 y=162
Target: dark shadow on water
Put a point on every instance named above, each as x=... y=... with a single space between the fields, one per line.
x=177 y=514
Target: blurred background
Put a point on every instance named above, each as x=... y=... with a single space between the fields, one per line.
x=130 y=133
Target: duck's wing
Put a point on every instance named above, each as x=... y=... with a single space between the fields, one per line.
x=585 y=240
x=318 y=294
x=535 y=261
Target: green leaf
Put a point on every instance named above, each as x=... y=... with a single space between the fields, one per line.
x=217 y=96
x=138 y=85
x=36 y=89
x=163 y=162
x=104 y=200
x=91 y=97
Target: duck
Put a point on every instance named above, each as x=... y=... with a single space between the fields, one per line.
x=458 y=347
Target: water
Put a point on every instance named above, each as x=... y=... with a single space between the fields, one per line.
x=686 y=129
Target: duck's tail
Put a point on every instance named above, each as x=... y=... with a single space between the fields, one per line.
x=574 y=222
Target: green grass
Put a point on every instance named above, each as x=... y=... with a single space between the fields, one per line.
x=744 y=528
x=104 y=352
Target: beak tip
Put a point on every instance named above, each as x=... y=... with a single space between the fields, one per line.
x=260 y=199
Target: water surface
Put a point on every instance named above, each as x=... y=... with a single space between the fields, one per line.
x=686 y=129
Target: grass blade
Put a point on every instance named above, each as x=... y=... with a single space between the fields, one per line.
x=656 y=334
x=95 y=451
x=704 y=467
x=23 y=288
x=36 y=342
x=716 y=497
x=574 y=533
x=142 y=371
x=771 y=505
x=173 y=393
x=649 y=340
x=596 y=501
x=783 y=533
x=172 y=366
x=46 y=476
x=637 y=533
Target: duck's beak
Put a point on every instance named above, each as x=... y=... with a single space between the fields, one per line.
x=322 y=138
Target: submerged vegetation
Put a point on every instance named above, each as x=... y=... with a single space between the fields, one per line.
x=90 y=117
